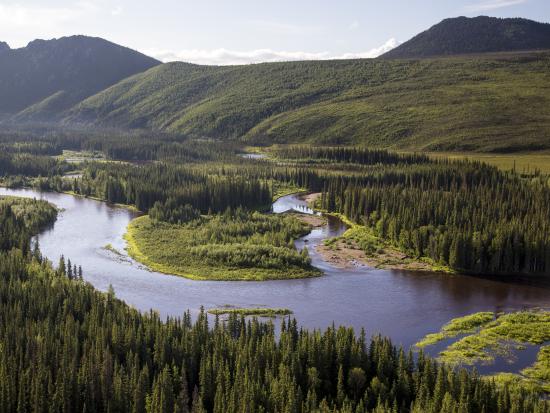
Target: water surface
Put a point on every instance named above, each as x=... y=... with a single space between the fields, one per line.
x=399 y=304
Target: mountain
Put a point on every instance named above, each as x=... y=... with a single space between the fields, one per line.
x=48 y=76
x=482 y=34
x=487 y=103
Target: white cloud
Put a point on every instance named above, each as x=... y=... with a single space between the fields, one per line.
x=354 y=25
x=16 y=16
x=232 y=57
x=488 y=5
x=386 y=47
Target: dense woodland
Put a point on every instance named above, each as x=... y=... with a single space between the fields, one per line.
x=145 y=185
x=34 y=214
x=65 y=347
x=469 y=216
x=466 y=215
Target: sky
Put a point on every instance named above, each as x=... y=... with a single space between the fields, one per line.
x=247 y=31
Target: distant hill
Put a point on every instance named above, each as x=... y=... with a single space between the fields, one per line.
x=482 y=34
x=49 y=76
x=487 y=103
x=496 y=102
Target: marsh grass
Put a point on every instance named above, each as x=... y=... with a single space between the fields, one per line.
x=260 y=312
x=540 y=371
x=457 y=326
x=500 y=336
x=110 y=248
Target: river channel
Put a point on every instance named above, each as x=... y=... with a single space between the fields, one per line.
x=400 y=304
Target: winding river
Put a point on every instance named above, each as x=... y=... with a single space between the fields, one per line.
x=399 y=304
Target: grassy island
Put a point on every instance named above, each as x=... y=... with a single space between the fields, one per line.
x=233 y=246
x=488 y=337
x=258 y=312
x=457 y=326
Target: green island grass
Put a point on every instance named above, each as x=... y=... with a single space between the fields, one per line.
x=533 y=378
x=460 y=325
x=255 y=248
x=500 y=336
x=109 y=247
x=260 y=312
x=539 y=372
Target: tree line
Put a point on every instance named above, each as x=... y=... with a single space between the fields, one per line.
x=347 y=154
x=468 y=216
x=172 y=186
x=66 y=347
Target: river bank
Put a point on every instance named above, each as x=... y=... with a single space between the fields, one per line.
x=359 y=247
x=359 y=297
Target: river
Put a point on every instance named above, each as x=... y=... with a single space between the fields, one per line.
x=400 y=304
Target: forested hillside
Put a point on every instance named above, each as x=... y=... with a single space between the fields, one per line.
x=490 y=103
x=66 y=347
x=39 y=81
x=481 y=34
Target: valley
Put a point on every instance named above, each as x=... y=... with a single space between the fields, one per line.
x=340 y=235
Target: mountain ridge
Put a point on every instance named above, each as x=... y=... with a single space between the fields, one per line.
x=482 y=34
x=79 y=66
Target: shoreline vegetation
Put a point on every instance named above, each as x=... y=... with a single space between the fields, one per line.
x=36 y=214
x=94 y=198
x=359 y=246
x=110 y=248
x=483 y=337
x=370 y=187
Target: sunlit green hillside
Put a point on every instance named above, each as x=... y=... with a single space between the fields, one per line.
x=495 y=102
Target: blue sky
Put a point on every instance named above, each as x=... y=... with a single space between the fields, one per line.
x=243 y=31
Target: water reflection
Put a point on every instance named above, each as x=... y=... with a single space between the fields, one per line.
x=292 y=203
